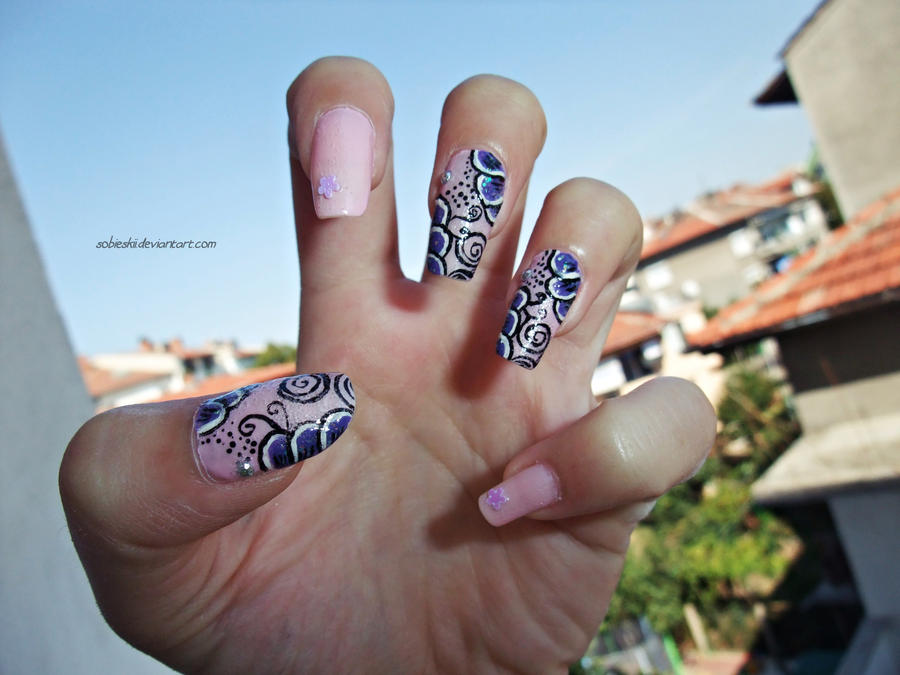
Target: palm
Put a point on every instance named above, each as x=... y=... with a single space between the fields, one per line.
x=400 y=513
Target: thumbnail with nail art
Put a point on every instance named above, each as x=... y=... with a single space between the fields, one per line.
x=272 y=425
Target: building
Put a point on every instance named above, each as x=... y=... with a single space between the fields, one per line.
x=225 y=382
x=633 y=351
x=722 y=245
x=843 y=65
x=836 y=316
x=641 y=346
x=154 y=370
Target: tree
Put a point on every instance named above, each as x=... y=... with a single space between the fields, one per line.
x=274 y=353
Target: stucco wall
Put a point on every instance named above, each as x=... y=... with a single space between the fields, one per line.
x=845 y=69
x=49 y=622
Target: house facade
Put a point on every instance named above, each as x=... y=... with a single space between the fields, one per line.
x=722 y=245
x=836 y=316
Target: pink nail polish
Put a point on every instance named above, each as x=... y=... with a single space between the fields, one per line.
x=340 y=166
x=526 y=492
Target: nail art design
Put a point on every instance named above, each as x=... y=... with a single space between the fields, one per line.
x=464 y=212
x=272 y=425
x=539 y=307
x=328 y=185
x=531 y=489
x=496 y=498
x=343 y=145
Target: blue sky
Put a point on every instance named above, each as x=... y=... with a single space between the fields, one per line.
x=166 y=120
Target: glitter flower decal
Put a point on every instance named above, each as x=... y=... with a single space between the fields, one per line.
x=496 y=498
x=328 y=185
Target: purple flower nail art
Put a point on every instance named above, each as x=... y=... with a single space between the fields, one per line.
x=539 y=307
x=328 y=185
x=275 y=424
x=465 y=210
x=496 y=498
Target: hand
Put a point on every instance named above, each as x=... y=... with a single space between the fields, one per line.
x=377 y=555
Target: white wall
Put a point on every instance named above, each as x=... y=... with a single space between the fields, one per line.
x=48 y=620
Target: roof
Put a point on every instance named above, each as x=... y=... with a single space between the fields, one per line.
x=100 y=381
x=631 y=329
x=684 y=230
x=217 y=384
x=838 y=458
x=720 y=210
x=802 y=27
x=858 y=262
x=779 y=90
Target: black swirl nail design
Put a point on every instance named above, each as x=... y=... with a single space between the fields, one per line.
x=464 y=213
x=272 y=425
x=539 y=307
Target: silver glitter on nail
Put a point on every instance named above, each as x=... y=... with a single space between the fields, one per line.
x=244 y=467
x=542 y=313
x=527 y=274
x=445 y=177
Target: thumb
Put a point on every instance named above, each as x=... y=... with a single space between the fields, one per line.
x=167 y=474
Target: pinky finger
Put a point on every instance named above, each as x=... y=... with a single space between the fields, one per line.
x=630 y=449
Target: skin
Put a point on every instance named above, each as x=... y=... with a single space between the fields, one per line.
x=373 y=556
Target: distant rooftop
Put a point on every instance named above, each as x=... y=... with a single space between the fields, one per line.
x=216 y=384
x=720 y=209
x=631 y=329
x=100 y=381
x=856 y=264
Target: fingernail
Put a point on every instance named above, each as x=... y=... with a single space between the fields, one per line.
x=467 y=205
x=526 y=492
x=271 y=425
x=343 y=149
x=539 y=307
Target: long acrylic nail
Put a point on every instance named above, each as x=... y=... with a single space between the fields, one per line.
x=539 y=307
x=271 y=425
x=467 y=205
x=526 y=492
x=342 y=153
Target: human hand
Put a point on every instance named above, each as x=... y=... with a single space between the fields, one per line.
x=374 y=557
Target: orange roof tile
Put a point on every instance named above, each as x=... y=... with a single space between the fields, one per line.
x=630 y=329
x=100 y=381
x=217 y=384
x=722 y=208
x=684 y=230
x=860 y=260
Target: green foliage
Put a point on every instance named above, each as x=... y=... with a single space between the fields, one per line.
x=755 y=409
x=830 y=206
x=705 y=543
x=275 y=354
x=709 y=311
x=826 y=197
